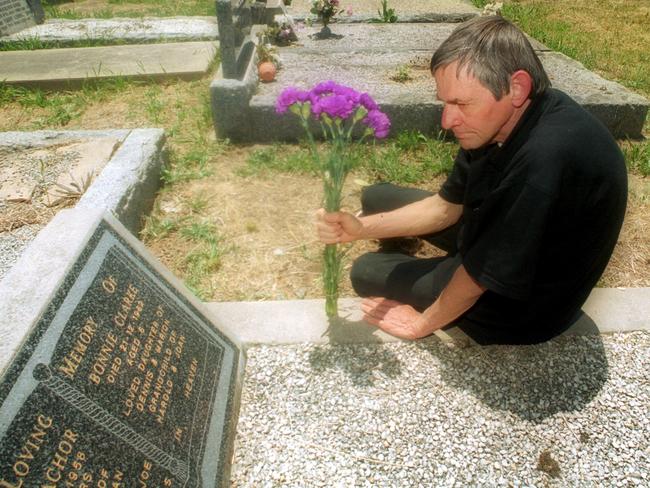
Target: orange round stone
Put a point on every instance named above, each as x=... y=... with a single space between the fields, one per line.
x=266 y=71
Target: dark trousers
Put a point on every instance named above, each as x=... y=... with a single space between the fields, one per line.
x=398 y=276
x=418 y=281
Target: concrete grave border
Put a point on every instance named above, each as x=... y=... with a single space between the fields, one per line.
x=607 y=311
x=245 y=111
x=146 y=29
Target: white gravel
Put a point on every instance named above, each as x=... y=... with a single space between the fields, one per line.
x=422 y=414
x=12 y=244
x=40 y=166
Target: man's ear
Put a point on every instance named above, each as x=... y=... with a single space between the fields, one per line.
x=521 y=84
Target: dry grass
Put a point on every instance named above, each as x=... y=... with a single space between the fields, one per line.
x=15 y=215
x=271 y=252
x=630 y=263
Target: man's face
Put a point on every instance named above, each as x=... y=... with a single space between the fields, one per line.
x=471 y=111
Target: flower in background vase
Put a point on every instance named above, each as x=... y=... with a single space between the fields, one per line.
x=338 y=109
x=325 y=10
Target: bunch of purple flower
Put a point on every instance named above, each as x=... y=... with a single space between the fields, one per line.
x=338 y=108
x=329 y=101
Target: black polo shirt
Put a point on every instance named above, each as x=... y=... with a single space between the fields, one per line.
x=541 y=216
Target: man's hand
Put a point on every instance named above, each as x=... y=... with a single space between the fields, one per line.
x=404 y=321
x=336 y=227
x=396 y=318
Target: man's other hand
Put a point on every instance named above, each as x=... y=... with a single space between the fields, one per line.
x=396 y=318
x=337 y=227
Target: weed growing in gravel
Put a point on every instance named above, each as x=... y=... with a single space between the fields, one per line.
x=402 y=75
x=386 y=14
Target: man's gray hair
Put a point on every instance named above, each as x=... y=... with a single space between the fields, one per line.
x=491 y=49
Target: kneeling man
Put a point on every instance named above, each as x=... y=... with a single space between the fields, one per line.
x=528 y=216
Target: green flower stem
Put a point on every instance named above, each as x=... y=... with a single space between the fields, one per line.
x=334 y=168
x=331 y=278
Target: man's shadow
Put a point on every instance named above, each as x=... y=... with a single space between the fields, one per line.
x=362 y=356
x=533 y=382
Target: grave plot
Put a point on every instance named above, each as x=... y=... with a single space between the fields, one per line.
x=390 y=61
x=570 y=412
x=42 y=172
x=403 y=11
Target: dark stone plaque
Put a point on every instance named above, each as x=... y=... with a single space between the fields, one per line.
x=15 y=15
x=121 y=383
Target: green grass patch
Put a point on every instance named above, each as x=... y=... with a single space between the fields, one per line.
x=204 y=259
x=60 y=108
x=207 y=246
x=192 y=165
x=278 y=158
x=130 y=8
x=35 y=43
x=158 y=228
x=637 y=157
x=410 y=158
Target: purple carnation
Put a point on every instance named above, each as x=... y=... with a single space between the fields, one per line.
x=368 y=103
x=378 y=121
x=337 y=101
x=324 y=87
x=334 y=106
x=288 y=97
x=347 y=92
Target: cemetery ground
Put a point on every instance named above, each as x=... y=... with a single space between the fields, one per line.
x=235 y=223
x=227 y=211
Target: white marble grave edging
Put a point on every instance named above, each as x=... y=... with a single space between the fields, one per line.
x=146 y=29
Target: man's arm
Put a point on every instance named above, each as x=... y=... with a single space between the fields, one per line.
x=426 y=216
x=404 y=321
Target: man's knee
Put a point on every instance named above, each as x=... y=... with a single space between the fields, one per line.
x=384 y=197
x=362 y=276
x=373 y=198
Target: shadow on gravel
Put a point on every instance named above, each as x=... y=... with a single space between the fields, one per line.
x=533 y=382
x=357 y=352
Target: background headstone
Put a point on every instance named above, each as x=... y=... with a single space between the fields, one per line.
x=16 y=15
x=121 y=378
x=235 y=21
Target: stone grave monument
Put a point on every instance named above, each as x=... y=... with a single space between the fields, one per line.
x=110 y=372
x=16 y=15
x=236 y=79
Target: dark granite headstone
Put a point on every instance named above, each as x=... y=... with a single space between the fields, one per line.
x=122 y=382
x=16 y=15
